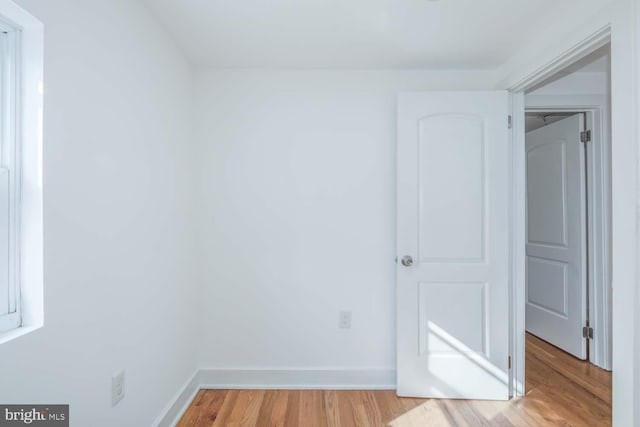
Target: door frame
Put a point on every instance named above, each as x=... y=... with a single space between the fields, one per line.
x=518 y=193
x=598 y=211
x=620 y=32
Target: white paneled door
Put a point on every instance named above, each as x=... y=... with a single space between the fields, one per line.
x=556 y=280
x=452 y=225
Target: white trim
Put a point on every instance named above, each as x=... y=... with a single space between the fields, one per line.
x=592 y=43
x=17 y=333
x=31 y=133
x=179 y=404
x=303 y=379
x=599 y=211
x=518 y=253
x=633 y=358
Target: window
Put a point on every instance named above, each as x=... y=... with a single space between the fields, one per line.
x=10 y=178
x=21 y=275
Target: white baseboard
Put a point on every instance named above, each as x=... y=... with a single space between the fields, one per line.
x=179 y=404
x=301 y=379
x=324 y=379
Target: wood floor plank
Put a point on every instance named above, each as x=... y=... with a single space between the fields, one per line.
x=462 y=412
x=311 y=412
x=247 y=407
x=586 y=375
x=454 y=411
x=560 y=391
x=580 y=405
x=226 y=408
x=280 y=405
x=332 y=408
x=360 y=416
x=370 y=408
x=389 y=405
x=210 y=412
x=293 y=408
x=266 y=409
x=490 y=411
x=345 y=408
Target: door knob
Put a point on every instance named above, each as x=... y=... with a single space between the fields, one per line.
x=407 y=261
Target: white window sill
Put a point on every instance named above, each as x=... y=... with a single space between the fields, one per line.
x=17 y=333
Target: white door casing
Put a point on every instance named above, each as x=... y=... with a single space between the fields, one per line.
x=556 y=223
x=453 y=219
x=617 y=23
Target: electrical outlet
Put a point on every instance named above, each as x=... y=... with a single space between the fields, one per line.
x=344 y=320
x=117 y=388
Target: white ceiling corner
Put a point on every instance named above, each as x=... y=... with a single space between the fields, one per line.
x=446 y=34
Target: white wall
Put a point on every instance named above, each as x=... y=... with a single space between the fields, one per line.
x=298 y=214
x=295 y=214
x=579 y=83
x=120 y=287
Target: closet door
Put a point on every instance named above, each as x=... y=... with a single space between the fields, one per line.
x=556 y=251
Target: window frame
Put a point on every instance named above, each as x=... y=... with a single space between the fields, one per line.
x=24 y=111
x=11 y=160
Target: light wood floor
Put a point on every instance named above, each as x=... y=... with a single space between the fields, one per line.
x=561 y=390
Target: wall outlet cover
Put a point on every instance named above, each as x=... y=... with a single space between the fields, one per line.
x=117 y=388
x=344 y=321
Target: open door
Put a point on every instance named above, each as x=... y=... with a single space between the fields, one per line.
x=453 y=247
x=556 y=280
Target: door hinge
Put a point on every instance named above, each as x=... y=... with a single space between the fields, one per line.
x=587 y=332
x=509 y=122
x=585 y=136
x=509 y=362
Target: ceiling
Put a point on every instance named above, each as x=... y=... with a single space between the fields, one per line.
x=354 y=33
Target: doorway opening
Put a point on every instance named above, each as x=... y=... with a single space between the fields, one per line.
x=568 y=229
